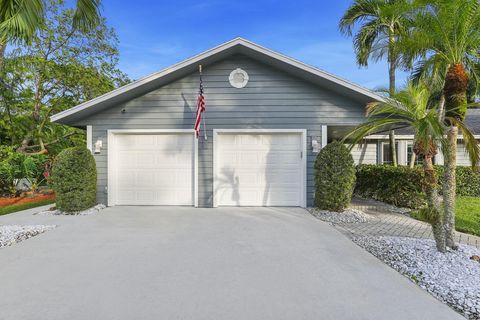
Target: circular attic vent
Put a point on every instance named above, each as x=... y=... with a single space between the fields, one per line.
x=238 y=78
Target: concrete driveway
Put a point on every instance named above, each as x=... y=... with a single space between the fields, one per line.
x=187 y=263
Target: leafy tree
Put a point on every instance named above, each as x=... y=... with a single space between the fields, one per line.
x=445 y=37
x=382 y=24
x=411 y=108
x=60 y=68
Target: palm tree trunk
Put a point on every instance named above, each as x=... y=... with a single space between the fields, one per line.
x=450 y=185
x=433 y=204
x=392 y=65
x=3 y=47
x=393 y=147
x=412 y=160
x=441 y=108
x=455 y=91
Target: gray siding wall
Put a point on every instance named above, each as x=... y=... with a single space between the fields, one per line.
x=271 y=99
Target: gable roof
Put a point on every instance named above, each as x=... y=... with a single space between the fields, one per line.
x=235 y=46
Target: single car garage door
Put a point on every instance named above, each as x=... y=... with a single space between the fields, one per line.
x=259 y=169
x=152 y=169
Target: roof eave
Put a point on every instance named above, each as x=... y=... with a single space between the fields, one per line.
x=239 y=45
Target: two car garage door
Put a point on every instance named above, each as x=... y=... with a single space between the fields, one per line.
x=250 y=169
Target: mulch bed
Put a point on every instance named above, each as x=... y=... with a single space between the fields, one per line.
x=5 y=202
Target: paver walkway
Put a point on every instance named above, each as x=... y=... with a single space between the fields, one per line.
x=387 y=223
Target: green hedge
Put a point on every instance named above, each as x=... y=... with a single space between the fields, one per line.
x=74 y=179
x=400 y=186
x=334 y=177
x=468 y=181
x=404 y=187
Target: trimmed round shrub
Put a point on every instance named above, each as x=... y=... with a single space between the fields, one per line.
x=334 y=177
x=74 y=179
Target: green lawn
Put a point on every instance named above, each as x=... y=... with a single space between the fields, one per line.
x=467 y=215
x=24 y=206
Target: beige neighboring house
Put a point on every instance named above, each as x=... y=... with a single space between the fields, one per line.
x=376 y=149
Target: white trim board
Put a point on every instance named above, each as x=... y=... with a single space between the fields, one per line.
x=89 y=138
x=405 y=137
x=303 y=133
x=111 y=151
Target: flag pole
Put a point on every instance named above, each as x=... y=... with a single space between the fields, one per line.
x=203 y=118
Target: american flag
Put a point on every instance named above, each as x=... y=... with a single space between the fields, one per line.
x=200 y=107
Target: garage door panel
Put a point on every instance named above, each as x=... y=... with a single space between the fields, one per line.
x=144 y=177
x=259 y=169
x=154 y=169
x=252 y=159
x=144 y=159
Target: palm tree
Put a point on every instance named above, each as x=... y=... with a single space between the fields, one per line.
x=410 y=108
x=383 y=22
x=446 y=36
x=19 y=19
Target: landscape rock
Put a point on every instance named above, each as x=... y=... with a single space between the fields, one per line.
x=10 y=234
x=347 y=216
x=451 y=277
x=55 y=212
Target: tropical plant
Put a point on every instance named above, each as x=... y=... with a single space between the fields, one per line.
x=382 y=25
x=410 y=108
x=20 y=19
x=445 y=36
x=15 y=166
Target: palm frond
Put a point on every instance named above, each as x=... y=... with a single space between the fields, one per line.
x=87 y=15
x=358 y=12
x=407 y=108
x=19 y=19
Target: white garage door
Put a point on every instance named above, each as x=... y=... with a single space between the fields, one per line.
x=153 y=169
x=259 y=169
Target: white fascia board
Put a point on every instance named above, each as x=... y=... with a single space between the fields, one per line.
x=207 y=54
x=385 y=136
x=404 y=137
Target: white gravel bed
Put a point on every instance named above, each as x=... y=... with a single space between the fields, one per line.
x=87 y=212
x=347 y=216
x=10 y=234
x=451 y=277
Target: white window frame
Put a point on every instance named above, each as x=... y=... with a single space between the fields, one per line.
x=380 y=152
x=111 y=182
x=302 y=132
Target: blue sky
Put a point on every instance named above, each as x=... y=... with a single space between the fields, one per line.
x=156 y=34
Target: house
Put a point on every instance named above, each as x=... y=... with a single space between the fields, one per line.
x=376 y=148
x=267 y=117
